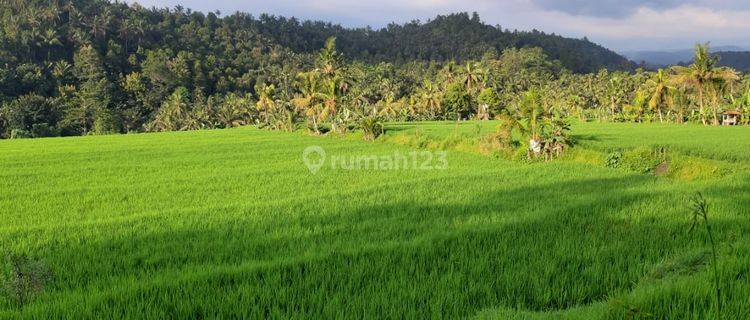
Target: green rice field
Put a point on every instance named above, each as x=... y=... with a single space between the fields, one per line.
x=232 y=224
x=720 y=143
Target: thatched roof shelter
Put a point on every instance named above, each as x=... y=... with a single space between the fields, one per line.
x=730 y=117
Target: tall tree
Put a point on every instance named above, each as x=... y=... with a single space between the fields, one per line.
x=430 y=99
x=660 y=91
x=473 y=77
x=701 y=75
x=93 y=96
x=266 y=101
x=174 y=112
x=306 y=101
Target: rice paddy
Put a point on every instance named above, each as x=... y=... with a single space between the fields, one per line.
x=232 y=224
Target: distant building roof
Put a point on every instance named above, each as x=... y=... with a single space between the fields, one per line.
x=732 y=113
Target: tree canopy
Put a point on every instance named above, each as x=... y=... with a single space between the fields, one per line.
x=96 y=67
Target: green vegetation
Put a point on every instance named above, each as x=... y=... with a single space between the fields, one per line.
x=229 y=223
x=739 y=60
x=565 y=197
x=22 y=278
x=714 y=143
x=94 y=67
x=725 y=143
x=700 y=212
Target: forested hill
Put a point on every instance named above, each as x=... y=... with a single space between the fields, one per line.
x=739 y=60
x=73 y=67
x=456 y=36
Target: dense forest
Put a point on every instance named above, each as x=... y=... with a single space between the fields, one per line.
x=95 y=67
x=456 y=37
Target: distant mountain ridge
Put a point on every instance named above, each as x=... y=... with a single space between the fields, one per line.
x=658 y=59
x=739 y=60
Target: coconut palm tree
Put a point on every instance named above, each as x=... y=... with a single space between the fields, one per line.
x=676 y=103
x=266 y=103
x=173 y=112
x=390 y=108
x=696 y=75
x=701 y=75
x=49 y=39
x=615 y=95
x=660 y=91
x=720 y=85
x=99 y=25
x=61 y=70
x=430 y=99
x=235 y=111
x=130 y=28
x=448 y=73
x=330 y=60
x=309 y=86
x=635 y=109
x=742 y=104
x=531 y=113
x=473 y=76
x=329 y=97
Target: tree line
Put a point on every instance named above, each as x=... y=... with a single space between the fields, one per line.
x=96 y=67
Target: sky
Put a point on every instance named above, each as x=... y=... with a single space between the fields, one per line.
x=620 y=25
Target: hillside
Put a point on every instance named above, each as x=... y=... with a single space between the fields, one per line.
x=458 y=36
x=739 y=60
x=81 y=67
x=662 y=58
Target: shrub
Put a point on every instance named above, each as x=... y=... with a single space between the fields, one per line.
x=23 y=278
x=456 y=101
x=555 y=137
x=614 y=159
x=372 y=128
x=643 y=159
x=19 y=134
x=106 y=122
x=39 y=130
x=500 y=143
x=521 y=152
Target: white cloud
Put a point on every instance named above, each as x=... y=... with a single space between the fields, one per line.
x=680 y=26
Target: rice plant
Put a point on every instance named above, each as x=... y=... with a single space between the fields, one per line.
x=231 y=224
x=699 y=208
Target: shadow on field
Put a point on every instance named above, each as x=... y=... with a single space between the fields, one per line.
x=546 y=247
x=590 y=137
x=399 y=127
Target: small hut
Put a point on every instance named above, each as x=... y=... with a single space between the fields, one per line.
x=730 y=118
